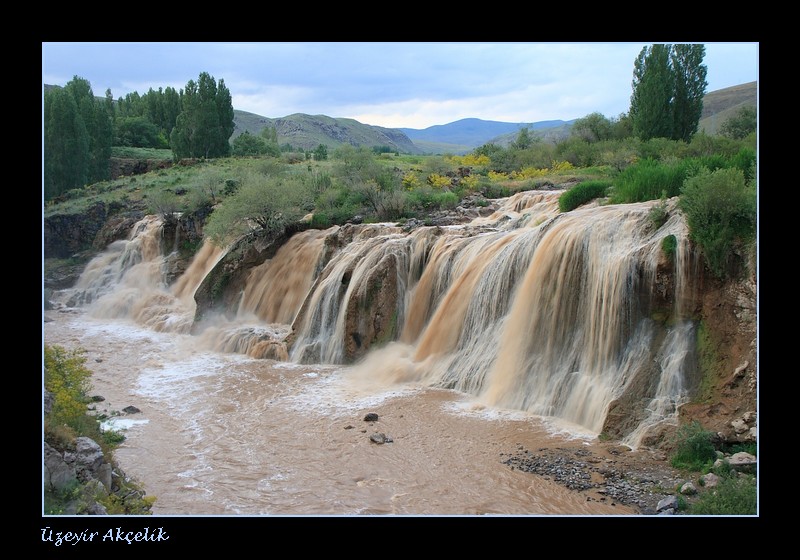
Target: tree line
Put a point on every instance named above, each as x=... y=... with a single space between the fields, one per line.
x=80 y=129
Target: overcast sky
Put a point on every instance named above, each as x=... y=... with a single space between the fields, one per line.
x=395 y=85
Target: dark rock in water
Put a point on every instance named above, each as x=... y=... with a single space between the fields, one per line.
x=349 y=427
x=130 y=410
x=97 y=398
x=371 y=417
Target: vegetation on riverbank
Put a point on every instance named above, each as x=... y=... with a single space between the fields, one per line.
x=735 y=493
x=67 y=380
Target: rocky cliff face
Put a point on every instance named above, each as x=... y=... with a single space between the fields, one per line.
x=64 y=235
x=723 y=388
x=726 y=397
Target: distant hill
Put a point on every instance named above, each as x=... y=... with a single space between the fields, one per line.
x=472 y=132
x=308 y=132
x=721 y=104
x=551 y=134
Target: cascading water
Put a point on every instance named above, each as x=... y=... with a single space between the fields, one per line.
x=528 y=309
x=276 y=289
x=128 y=281
x=552 y=316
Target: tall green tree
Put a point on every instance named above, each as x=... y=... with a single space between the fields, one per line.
x=205 y=123
x=270 y=136
x=669 y=83
x=690 y=87
x=224 y=103
x=78 y=132
x=66 y=144
x=98 y=127
x=653 y=86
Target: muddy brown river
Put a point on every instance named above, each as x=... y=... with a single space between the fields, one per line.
x=229 y=435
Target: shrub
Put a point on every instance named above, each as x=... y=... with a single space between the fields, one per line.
x=658 y=214
x=66 y=377
x=740 y=124
x=582 y=193
x=265 y=202
x=750 y=448
x=247 y=144
x=438 y=181
x=662 y=148
x=694 y=449
x=492 y=189
x=733 y=495
x=669 y=244
x=426 y=198
x=745 y=159
x=164 y=203
x=336 y=205
x=721 y=212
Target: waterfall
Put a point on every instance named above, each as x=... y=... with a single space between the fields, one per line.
x=127 y=281
x=276 y=289
x=528 y=309
x=553 y=317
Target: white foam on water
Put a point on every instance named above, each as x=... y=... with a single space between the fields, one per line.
x=119 y=329
x=179 y=380
x=121 y=424
x=477 y=410
x=330 y=392
x=567 y=430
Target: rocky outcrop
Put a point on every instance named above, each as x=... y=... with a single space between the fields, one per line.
x=220 y=290
x=64 y=235
x=80 y=477
x=726 y=403
x=76 y=239
x=371 y=314
x=722 y=393
x=122 y=167
x=83 y=473
x=181 y=237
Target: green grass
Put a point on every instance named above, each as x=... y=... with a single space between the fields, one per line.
x=648 y=180
x=140 y=153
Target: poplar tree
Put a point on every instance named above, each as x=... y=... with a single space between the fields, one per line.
x=98 y=125
x=690 y=88
x=669 y=83
x=66 y=144
x=78 y=133
x=205 y=123
x=653 y=87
